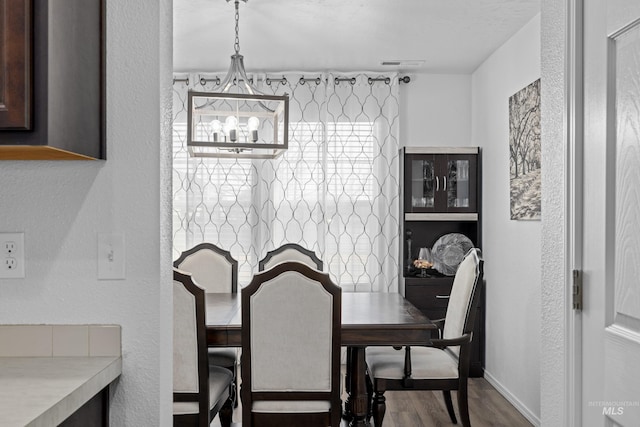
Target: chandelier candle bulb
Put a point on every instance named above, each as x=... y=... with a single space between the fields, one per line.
x=253 y=123
x=231 y=125
x=216 y=127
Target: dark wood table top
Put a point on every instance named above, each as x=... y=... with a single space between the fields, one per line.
x=367 y=319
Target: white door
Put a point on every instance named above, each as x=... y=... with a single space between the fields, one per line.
x=611 y=227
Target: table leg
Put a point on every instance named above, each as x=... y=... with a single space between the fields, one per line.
x=356 y=387
x=346 y=414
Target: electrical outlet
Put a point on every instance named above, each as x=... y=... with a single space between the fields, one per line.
x=10 y=263
x=11 y=255
x=9 y=247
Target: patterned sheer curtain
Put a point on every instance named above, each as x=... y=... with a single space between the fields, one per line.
x=334 y=191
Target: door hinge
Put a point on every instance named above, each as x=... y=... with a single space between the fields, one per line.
x=577 y=290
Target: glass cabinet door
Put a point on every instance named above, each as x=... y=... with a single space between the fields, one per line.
x=460 y=186
x=440 y=183
x=457 y=184
x=423 y=175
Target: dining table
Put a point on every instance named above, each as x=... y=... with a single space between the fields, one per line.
x=368 y=319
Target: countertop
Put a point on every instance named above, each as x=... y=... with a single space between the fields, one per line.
x=44 y=391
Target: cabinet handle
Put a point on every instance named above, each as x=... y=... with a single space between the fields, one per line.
x=437 y=184
x=442 y=296
x=445 y=183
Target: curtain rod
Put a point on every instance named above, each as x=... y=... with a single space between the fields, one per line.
x=303 y=80
x=185 y=80
x=372 y=80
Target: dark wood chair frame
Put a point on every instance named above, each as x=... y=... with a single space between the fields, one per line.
x=331 y=418
x=380 y=385
x=224 y=405
x=210 y=246
x=234 y=289
x=297 y=247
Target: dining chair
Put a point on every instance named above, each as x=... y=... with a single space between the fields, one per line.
x=200 y=391
x=291 y=316
x=211 y=267
x=444 y=365
x=216 y=271
x=290 y=252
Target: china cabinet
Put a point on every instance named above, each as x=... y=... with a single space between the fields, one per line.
x=440 y=217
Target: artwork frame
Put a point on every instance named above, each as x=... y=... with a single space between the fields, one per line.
x=525 y=163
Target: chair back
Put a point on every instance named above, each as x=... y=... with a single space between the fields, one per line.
x=291 y=318
x=190 y=366
x=211 y=267
x=290 y=252
x=464 y=297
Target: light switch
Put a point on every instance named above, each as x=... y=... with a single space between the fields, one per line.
x=111 y=256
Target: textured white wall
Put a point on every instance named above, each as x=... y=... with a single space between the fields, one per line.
x=511 y=249
x=165 y=83
x=462 y=110
x=61 y=206
x=435 y=110
x=554 y=145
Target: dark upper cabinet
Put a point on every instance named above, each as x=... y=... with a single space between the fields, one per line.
x=65 y=110
x=440 y=183
x=15 y=64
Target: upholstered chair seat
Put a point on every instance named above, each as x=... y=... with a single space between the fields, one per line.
x=219 y=380
x=291 y=406
x=426 y=362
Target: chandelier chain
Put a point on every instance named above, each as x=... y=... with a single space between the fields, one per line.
x=236 y=44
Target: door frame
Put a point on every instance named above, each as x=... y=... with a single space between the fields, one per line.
x=574 y=208
x=562 y=219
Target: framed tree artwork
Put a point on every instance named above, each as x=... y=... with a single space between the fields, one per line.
x=524 y=153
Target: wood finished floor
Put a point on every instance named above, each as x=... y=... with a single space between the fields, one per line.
x=487 y=407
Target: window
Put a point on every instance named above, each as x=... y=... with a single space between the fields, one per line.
x=335 y=190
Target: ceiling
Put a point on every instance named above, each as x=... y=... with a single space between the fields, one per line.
x=450 y=36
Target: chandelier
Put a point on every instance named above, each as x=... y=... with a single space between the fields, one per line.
x=239 y=120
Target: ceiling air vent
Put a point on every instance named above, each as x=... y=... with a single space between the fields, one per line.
x=402 y=62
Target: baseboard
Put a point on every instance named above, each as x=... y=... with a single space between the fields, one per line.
x=526 y=412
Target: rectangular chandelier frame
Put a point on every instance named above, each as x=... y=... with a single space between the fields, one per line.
x=212 y=106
